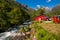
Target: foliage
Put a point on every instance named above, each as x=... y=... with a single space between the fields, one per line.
x=22 y=30
x=49 y=15
x=12 y=13
x=25 y=29
x=35 y=13
x=39 y=12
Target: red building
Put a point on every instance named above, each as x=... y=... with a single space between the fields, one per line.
x=40 y=18
x=56 y=19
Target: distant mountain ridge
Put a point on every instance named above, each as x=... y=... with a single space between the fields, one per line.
x=56 y=10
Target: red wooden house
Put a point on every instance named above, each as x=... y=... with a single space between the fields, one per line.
x=56 y=19
x=40 y=18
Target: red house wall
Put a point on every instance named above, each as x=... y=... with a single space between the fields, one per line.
x=56 y=20
x=41 y=17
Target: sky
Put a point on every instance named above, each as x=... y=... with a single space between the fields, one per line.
x=39 y=3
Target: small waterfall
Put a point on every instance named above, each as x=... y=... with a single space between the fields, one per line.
x=7 y=35
x=4 y=35
x=13 y=32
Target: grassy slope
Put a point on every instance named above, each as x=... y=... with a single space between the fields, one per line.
x=54 y=28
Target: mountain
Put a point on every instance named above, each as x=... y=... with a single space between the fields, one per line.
x=47 y=10
x=56 y=7
x=56 y=10
x=12 y=13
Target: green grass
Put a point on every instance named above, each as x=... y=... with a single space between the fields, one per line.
x=42 y=34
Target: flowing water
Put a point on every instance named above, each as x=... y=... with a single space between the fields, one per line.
x=12 y=32
x=7 y=35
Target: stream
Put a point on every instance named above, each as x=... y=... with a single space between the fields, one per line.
x=9 y=34
x=5 y=35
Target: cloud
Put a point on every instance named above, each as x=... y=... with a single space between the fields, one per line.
x=48 y=0
x=38 y=6
x=46 y=7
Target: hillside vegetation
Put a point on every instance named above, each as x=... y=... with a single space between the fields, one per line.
x=12 y=13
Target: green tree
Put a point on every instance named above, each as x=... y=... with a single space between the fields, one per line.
x=39 y=12
x=12 y=13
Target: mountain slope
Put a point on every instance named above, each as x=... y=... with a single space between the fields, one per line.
x=56 y=10
x=12 y=13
